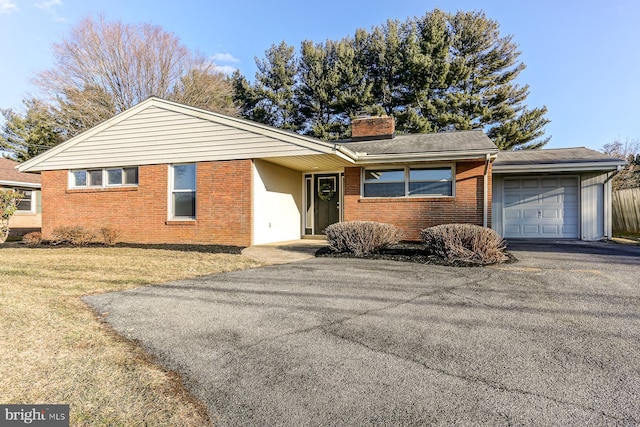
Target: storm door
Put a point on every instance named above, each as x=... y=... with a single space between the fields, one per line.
x=322 y=202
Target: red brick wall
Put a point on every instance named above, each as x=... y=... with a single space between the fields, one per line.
x=223 y=206
x=412 y=214
x=372 y=127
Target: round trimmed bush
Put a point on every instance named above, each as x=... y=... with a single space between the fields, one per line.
x=464 y=244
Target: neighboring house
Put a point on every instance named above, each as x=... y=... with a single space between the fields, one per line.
x=163 y=172
x=28 y=216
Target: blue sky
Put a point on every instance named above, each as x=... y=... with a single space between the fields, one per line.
x=582 y=58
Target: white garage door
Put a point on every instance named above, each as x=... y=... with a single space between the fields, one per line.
x=541 y=207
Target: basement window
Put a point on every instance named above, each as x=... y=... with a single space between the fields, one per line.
x=408 y=181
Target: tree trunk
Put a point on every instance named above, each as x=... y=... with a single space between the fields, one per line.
x=4 y=231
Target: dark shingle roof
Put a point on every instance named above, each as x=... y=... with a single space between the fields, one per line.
x=552 y=156
x=9 y=173
x=425 y=143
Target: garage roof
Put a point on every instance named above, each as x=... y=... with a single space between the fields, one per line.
x=555 y=160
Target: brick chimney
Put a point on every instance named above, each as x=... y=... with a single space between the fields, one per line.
x=364 y=128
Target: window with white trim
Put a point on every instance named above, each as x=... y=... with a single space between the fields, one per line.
x=183 y=191
x=106 y=177
x=407 y=181
x=27 y=202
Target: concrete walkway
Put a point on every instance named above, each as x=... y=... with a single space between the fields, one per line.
x=284 y=252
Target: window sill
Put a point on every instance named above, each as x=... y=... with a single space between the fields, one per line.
x=181 y=222
x=405 y=199
x=101 y=190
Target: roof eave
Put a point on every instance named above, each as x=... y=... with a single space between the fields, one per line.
x=20 y=184
x=558 y=167
x=364 y=158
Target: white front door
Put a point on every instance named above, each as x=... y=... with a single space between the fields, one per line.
x=541 y=207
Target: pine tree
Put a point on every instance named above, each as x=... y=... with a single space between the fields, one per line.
x=24 y=136
x=436 y=73
x=482 y=93
x=274 y=88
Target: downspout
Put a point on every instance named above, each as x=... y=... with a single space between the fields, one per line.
x=485 y=213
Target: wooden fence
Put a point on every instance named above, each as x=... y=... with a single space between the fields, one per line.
x=626 y=210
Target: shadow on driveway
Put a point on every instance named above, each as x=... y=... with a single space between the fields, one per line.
x=552 y=339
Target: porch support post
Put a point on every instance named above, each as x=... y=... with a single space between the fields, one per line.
x=485 y=196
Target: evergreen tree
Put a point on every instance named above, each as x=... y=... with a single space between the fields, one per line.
x=318 y=92
x=24 y=136
x=426 y=49
x=481 y=90
x=436 y=73
x=274 y=89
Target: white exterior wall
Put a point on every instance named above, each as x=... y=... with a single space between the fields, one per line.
x=277 y=203
x=595 y=225
x=497 y=203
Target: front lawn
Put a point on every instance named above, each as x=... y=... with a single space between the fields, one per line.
x=53 y=349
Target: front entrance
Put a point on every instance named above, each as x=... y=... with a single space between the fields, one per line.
x=322 y=202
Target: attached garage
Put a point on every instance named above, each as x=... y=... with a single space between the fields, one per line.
x=545 y=206
x=553 y=194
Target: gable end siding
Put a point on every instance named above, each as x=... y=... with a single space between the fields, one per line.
x=157 y=136
x=223 y=206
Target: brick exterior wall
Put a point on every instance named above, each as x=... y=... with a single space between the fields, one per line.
x=372 y=127
x=412 y=214
x=223 y=206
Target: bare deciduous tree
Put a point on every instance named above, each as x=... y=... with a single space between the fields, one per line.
x=104 y=67
x=629 y=150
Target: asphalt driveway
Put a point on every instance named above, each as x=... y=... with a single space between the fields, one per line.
x=551 y=340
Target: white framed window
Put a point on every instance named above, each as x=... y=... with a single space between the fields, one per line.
x=106 y=177
x=183 y=191
x=408 y=181
x=27 y=203
x=122 y=176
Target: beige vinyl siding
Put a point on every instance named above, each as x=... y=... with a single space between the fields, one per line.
x=158 y=135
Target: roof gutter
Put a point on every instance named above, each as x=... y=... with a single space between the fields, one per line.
x=363 y=158
x=20 y=184
x=345 y=153
x=557 y=167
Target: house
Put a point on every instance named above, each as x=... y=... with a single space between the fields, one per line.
x=163 y=172
x=28 y=216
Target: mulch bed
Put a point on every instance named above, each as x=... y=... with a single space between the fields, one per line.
x=404 y=252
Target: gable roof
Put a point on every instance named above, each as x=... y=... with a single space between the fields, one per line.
x=557 y=159
x=157 y=131
x=10 y=176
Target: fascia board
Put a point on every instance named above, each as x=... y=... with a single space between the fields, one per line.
x=32 y=164
x=249 y=126
x=445 y=155
x=558 y=167
x=20 y=184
